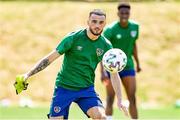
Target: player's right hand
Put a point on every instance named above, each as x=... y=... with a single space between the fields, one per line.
x=20 y=83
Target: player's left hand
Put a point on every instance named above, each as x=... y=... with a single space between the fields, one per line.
x=138 y=68
x=123 y=108
x=20 y=83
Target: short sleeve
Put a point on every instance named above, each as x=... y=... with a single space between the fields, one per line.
x=108 y=45
x=65 y=44
x=137 y=36
x=107 y=33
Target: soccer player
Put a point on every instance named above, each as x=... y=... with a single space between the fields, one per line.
x=82 y=50
x=123 y=35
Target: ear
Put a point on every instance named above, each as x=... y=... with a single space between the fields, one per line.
x=129 y=12
x=118 y=14
x=104 y=23
x=87 y=22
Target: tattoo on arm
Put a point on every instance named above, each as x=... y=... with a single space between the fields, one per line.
x=39 y=67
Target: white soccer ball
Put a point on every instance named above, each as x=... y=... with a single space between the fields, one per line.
x=114 y=60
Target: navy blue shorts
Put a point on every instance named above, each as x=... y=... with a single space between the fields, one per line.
x=62 y=99
x=125 y=73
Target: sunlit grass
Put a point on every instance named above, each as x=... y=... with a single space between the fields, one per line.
x=39 y=113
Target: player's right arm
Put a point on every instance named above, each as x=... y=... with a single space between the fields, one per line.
x=21 y=80
x=64 y=46
x=42 y=64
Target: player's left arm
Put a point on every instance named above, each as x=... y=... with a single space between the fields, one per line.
x=135 y=54
x=116 y=83
x=135 y=51
x=104 y=75
x=107 y=33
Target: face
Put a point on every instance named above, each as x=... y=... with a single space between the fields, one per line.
x=124 y=14
x=96 y=24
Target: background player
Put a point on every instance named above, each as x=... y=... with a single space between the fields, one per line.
x=83 y=50
x=123 y=34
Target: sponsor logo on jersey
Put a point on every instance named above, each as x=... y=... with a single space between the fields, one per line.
x=133 y=33
x=57 y=109
x=99 y=51
x=118 y=36
x=79 y=48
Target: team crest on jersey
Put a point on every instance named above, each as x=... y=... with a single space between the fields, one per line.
x=57 y=109
x=133 y=33
x=99 y=51
x=79 y=48
x=118 y=36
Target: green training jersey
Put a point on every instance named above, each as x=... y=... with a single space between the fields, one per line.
x=123 y=38
x=81 y=56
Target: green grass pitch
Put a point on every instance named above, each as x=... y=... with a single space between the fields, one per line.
x=39 y=113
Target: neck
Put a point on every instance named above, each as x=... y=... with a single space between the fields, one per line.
x=123 y=24
x=91 y=36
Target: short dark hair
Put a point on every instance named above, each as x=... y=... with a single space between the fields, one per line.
x=123 y=5
x=97 y=12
